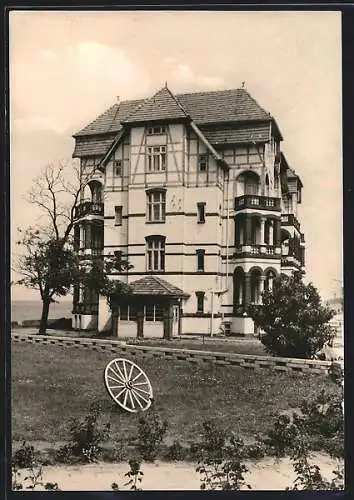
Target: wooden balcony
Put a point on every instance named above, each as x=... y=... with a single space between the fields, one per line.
x=257 y=202
x=89 y=208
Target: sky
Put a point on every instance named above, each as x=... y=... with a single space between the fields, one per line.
x=66 y=68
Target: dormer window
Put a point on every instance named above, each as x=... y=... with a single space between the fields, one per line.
x=156 y=130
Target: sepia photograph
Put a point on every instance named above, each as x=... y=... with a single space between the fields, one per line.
x=176 y=250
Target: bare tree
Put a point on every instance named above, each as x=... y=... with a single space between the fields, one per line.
x=48 y=262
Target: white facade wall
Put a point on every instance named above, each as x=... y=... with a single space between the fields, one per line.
x=185 y=186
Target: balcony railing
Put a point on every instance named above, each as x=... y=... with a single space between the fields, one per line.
x=89 y=208
x=260 y=250
x=291 y=261
x=290 y=220
x=255 y=201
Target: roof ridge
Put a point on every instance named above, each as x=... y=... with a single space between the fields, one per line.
x=257 y=103
x=176 y=101
x=162 y=282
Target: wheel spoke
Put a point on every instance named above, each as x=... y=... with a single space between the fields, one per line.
x=116 y=386
x=125 y=398
x=142 y=390
x=131 y=400
x=136 y=398
x=141 y=383
x=140 y=396
x=131 y=371
x=137 y=376
x=115 y=379
x=125 y=371
x=121 y=374
x=121 y=392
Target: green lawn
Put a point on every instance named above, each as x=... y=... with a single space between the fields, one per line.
x=50 y=384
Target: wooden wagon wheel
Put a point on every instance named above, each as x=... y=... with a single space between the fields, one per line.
x=128 y=385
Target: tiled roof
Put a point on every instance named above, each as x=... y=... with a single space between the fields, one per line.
x=92 y=146
x=152 y=285
x=162 y=106
x=246 y=134
x=203 y=107
x=222 y=106
x=110 y=120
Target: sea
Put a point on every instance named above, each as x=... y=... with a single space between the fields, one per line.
x=31 y=309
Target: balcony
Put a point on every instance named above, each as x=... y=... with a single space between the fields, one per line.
x=290 y=220
x=89 y=208
x=255 y=201
x=267 y=251
x=291 y=261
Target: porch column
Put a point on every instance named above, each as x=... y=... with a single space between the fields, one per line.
x=261 y=288
x=115 y=322
x=167 y=321
x=140 y=322
x=180 y=312
x=263 y=230
x=278 y=232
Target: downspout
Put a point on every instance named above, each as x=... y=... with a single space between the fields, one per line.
x=227 y=229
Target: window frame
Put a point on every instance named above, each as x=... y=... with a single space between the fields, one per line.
x=118 y=215
x=201 y=212
x=151 y=203
x=200 y=253
x=200 y=296
x=155 y=251
x=156 y=130
x=117 y=168
x=156 y=158
x=203 y=159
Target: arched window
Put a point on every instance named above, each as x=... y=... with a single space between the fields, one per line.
x=285 y=242
x=269 y=280
x=155 y=253
x=255 y=286
x=247 y=183
x=96 y=191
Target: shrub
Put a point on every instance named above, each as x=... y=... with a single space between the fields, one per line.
x=295 y=322
x=281 y=437
x=176 y=452
x=134 y=474
x=87 y=435
x=151 y=431
x=220 y=459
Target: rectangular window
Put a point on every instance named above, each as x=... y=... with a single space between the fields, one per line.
x=124 y=312
x=155 y=248
x=118 y=215
x=200 y=259
x=156 y=130
x=156 y=158
x=117 y=167
x=156 y=206
x=153 y=312
x=201 y=212
x=203 y=163
x=200 y=301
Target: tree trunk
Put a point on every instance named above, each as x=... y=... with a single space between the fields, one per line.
x=44 y=318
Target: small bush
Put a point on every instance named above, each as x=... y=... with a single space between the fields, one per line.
x=176 y=452
x=151 y=431
x=336 y=373
x=134 y=474
x=220 y=459
x=24 y=456
x=281 y=437
x=87 y=435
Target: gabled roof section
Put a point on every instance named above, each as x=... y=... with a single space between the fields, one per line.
x=251 y=132
x=152 y=285
x=204 y=108
x=162 y=106
x=202 y=137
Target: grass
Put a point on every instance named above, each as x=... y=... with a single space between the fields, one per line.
x=51 y=384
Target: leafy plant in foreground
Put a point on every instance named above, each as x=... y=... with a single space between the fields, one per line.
x=220 y=462
x=151 y=431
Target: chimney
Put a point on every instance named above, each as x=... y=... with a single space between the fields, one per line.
x=118 y=99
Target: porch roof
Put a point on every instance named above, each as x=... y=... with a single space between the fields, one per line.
x=152 y=285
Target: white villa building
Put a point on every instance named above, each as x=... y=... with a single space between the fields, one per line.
x=194 y=191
